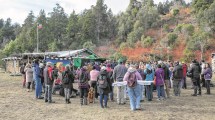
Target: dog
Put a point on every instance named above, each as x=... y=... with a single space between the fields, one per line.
x=91 y=95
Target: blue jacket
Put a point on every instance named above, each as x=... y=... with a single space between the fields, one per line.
x=149 y=77
x=36 y=71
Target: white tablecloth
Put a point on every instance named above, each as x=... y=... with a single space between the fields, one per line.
x=140 y=82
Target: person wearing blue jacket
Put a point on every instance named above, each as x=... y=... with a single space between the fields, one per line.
x=37 y=79
x=149 y=72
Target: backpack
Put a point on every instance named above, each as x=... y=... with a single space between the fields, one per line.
x=132 y=81
x=65 y=78
x=83 y=78
x=102 y=81
x=178 y=73
x=22 y=70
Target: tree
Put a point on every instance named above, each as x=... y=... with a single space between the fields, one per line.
x=201 y=38
x=210 y=17
x=58 y=21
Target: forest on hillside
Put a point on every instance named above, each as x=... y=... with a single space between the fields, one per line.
x=173 y=30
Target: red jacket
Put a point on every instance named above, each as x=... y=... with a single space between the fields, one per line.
x=184 y=67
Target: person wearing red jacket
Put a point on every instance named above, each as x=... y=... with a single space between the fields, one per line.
x=183 y=81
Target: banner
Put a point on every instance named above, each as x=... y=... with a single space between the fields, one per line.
x=77 y=62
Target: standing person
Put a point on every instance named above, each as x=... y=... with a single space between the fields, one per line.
x=22 y=71
x=110 y=76
x=166 y=78
x=159 y=74
x=149 y=72
x=93 y=80
x=195 y=70
x=67 y=80
x=171 y=74
x=37 y=78
x=202 y=75
x=183 y=81
x=103 y=86
x=177 y=77
x=140 y=69
x=83 y=85
x=207 y=76
x=118 y=75
x=48 y=79
x=134 y=89
x=41 y=66
x=29 y=76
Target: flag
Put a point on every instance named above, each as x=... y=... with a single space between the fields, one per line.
x=77 y=62
x=39 y=26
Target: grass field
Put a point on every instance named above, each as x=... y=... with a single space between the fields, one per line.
x=18 y=104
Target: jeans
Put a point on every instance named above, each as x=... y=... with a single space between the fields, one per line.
x=111 y=94
x=176 y=87
x=120 y=94
x=48 y=92
x=142 y=92
x=67 y=93
x=149 y=92
x=135 y=97
x=83 y=95
x=183 y=83
x=207 y=85
x=38 y=87
x=105 y=98
x=197 y=86
x=160 y=91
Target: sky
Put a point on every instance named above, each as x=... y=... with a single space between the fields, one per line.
x=18 y=10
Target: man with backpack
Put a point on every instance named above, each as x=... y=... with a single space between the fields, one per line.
x=103 y=81
x=118 y=75
x=177 y=77
x=67 y=80
x=134 y=89
x=195 y=72
x=48 y=79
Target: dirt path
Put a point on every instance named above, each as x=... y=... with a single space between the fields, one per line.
x=18 y=104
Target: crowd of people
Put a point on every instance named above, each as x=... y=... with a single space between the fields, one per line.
x=48 y=78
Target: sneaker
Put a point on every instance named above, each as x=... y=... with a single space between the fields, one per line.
x=158 y=99
x=46 y=100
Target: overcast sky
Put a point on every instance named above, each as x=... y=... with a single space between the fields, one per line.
x=18 y=10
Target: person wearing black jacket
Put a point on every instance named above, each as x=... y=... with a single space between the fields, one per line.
x=67 y=80
x=195 y=71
